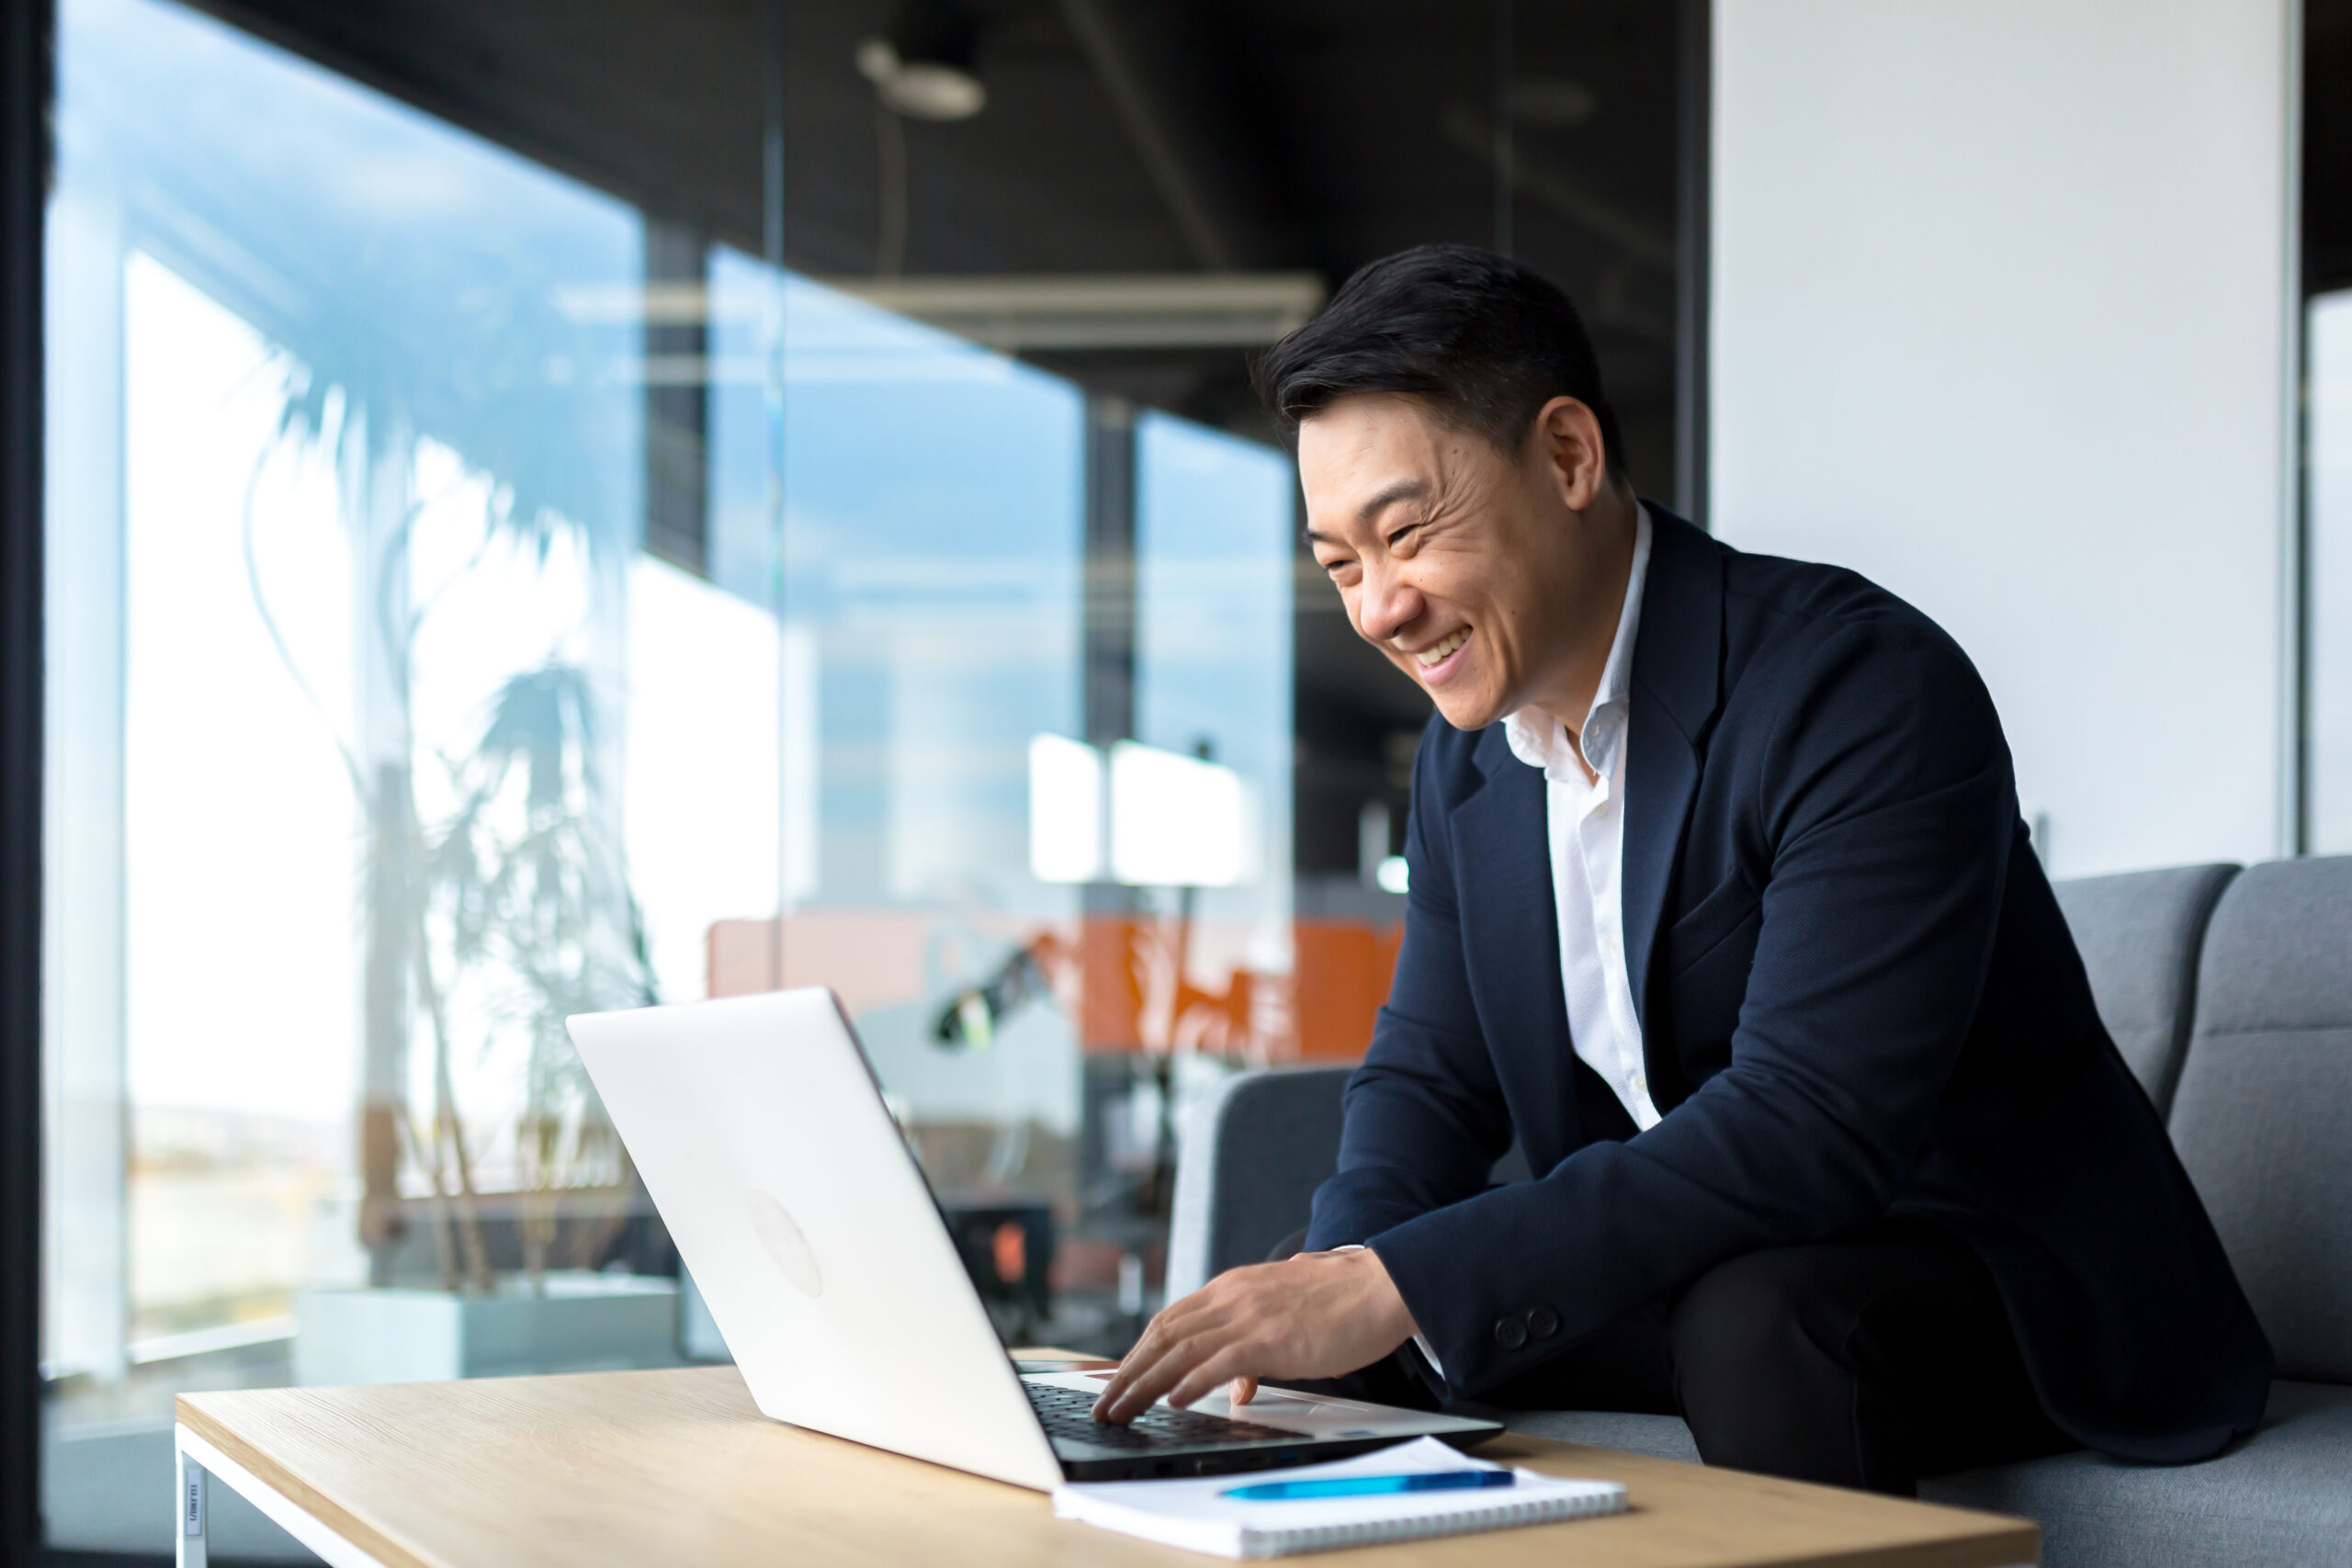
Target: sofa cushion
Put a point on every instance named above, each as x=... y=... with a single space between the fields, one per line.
x=2139 y=934
x=2263 y=1116
x=2282 y=1496
x=1660 y=1436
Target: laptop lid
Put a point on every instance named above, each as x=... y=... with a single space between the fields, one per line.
x=793 y=1197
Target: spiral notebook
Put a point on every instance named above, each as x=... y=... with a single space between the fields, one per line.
x=1197 y=1515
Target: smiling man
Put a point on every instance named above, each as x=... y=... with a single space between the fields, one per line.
x=1722 y=906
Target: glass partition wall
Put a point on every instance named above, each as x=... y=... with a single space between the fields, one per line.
x=2327 y=573
x=473 y=601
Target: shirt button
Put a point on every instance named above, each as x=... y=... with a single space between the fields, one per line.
x=1642 y=1085
x=1510 y=1333
x=1543 y=1323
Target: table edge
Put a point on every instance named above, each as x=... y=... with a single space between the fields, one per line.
x=331 y=1515
x=2010 y=1541
x=308 y=1531
x=2007 y=1539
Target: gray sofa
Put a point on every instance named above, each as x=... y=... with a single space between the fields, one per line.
x=2230 y=994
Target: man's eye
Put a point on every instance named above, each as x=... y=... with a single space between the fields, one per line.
x=1401 y=535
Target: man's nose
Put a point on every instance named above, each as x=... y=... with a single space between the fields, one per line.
x=1386 y=604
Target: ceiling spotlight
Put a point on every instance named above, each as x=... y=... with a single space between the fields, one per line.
x=922 y=67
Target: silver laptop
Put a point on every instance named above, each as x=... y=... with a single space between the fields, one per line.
x=792 y=1197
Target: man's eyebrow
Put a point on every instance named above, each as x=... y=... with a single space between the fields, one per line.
x=1379 y=502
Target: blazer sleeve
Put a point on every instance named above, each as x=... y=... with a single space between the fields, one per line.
x=1885 y=803
x=1425 y=1119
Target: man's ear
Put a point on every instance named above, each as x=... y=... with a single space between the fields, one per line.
x=1568 y=439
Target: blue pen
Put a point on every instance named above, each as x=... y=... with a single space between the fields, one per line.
x=1368 y=1486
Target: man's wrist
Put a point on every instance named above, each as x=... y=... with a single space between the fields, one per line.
x=1397 y=1318
x=1408 y=1329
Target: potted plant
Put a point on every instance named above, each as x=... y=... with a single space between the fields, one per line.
x=521 y=900
x=496 y=897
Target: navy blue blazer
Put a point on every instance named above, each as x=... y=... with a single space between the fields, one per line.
x=1858 y=998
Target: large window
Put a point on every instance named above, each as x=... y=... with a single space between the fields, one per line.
x=1214 y=540
x=344 y=502
x=475 y=601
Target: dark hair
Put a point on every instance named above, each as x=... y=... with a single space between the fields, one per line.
x=1484 y=340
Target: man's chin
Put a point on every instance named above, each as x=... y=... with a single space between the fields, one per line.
x=1466 y=712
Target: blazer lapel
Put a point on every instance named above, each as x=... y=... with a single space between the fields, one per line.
x=1512 y=931
x=1678 y=657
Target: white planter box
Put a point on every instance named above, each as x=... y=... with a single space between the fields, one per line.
x=580 y=1323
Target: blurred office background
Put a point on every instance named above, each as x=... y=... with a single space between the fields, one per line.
x=559 y=506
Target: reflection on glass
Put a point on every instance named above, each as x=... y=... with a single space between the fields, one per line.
x=356 y=672
x=930 y=578
x=1214 y=522
x=473 y=603
x=352 y=658
x=1037 y=1037
x=236 y=825
x=2327 y=347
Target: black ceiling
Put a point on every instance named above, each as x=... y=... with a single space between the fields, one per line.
x=2328 y=144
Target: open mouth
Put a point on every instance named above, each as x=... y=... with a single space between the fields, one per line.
x=1437 y=660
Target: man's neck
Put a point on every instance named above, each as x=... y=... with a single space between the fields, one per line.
x=1609 y=526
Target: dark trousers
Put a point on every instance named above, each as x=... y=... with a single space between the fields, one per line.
x=1866 y=1362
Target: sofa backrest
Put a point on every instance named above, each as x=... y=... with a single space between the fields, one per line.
x=1251 y=1154
x=2138 y=935
x=2263 y=1114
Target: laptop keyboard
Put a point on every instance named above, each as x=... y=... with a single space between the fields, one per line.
x=1068 y=1413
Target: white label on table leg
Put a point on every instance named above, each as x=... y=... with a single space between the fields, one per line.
x=280 y=1509
x=190 y=1549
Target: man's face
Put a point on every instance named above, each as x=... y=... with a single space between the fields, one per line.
x=1459 y=562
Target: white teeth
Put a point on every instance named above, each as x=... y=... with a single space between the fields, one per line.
x=1436 y=654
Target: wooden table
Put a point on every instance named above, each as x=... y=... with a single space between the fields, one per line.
x=678 y=1467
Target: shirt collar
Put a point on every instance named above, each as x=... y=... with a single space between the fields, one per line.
x=1539 y=741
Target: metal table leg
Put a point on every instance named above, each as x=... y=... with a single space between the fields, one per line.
x=193 y=1483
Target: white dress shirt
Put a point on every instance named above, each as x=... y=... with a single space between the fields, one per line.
x=1584 y=822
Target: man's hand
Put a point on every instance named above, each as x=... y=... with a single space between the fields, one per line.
x=1318 y=1315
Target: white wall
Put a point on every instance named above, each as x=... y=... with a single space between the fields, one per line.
x=1999 y=319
